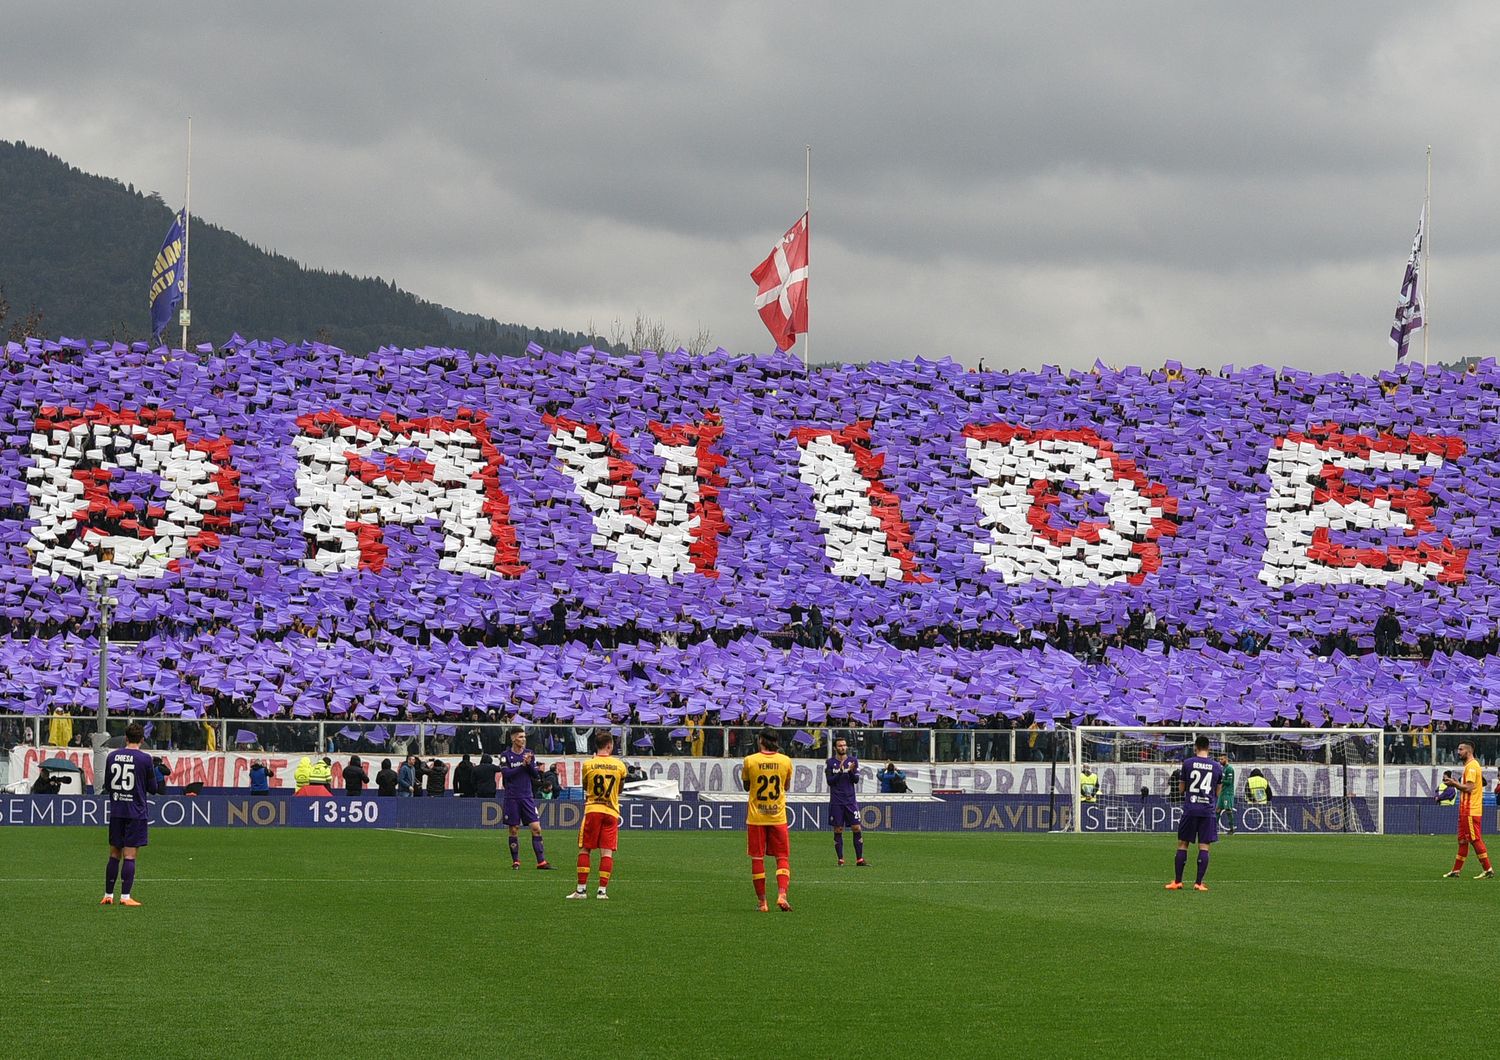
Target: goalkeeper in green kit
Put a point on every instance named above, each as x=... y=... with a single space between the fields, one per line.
x=1226 y=796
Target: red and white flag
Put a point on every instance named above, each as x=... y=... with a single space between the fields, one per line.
x=781 y=282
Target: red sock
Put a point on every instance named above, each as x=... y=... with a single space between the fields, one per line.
x=1463 y=852
x=1483 y=852
x=783 y=874
x=583 y=868
x=606 y=866
x=758 y=877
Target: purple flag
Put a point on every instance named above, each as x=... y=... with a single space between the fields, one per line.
x=802 y=738
x=377 y=735
x=245 y=736
x=1409 y=308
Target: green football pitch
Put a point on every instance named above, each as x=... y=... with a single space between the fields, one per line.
x=309 y=943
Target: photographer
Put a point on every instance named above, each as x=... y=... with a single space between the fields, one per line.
x=437 y=777
x=550 y=786
x=483 y=778
x=355 y=777
x=260 y=778
x=386 y=780
x=163 y=771
x=892 y=780
x=46 y=783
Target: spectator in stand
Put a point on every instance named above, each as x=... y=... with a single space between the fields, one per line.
x=469 y=741
x=1388 y=633
x=437 y=777
x=355 y=777
x=387 y=779
x=260 y=778
x=892 y=780
x=59 y=727
x=463 y=778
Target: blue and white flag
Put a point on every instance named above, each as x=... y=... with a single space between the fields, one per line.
x=167 y=281
x=1409 y=308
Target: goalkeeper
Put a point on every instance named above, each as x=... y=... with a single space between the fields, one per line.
x=1226 y=796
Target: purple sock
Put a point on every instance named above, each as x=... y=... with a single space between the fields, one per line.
x=1202 y=865
x=1181 y=864
x=515 y=849
x=536 y=847
x=838 y=845
x=127 y=875
x=859 y=844
x=111 y=874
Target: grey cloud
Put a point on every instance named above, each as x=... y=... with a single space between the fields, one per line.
x=1229 y=182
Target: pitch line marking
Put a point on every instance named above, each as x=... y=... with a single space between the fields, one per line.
x=410 y=831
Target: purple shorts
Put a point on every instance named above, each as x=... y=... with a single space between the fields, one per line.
x=843 y=814
x=519 y=811
x=1199 y=829
x=127 y=832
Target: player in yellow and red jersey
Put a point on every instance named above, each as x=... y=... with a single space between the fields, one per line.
x=768 y=775
x=603 y=779
x=1470 y=813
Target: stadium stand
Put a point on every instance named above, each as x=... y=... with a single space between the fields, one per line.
x=293 y=531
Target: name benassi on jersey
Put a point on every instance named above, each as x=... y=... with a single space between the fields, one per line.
x=1200 y=776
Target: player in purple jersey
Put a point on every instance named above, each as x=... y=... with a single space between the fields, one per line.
x=129 y=776
x=1201 y=777
x=518 y=768
x=843 y=806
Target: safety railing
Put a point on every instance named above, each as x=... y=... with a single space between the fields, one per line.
x=438 y=736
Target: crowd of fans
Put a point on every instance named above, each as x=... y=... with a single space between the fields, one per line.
x=1168 y=419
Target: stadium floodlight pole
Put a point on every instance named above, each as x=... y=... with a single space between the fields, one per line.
x=1427 y=260
x=184 y=314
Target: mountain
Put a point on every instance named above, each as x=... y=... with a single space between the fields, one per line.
x=79 y=248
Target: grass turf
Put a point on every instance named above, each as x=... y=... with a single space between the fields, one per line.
x=286 y=942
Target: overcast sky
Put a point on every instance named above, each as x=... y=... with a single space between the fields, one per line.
x=1028 y=183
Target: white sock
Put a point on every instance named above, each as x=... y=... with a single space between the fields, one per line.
x=583 y=888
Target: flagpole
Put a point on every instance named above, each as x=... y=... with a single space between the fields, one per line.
x=807 y=206
x=187 y=222
x=1427 y=261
